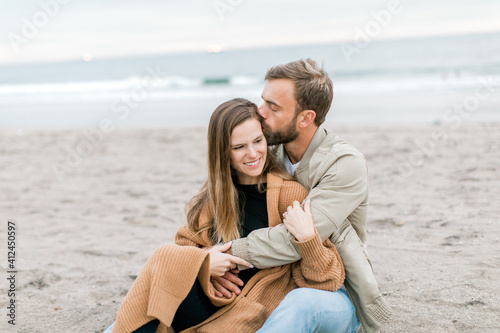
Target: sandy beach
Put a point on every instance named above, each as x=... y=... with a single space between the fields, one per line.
x=89 y=209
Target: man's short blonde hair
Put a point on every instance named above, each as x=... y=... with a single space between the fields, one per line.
x=313 y=87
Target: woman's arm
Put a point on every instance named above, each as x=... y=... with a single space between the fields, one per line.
x=321 y=266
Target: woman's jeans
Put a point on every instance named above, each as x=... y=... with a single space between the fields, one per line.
x=306 y=310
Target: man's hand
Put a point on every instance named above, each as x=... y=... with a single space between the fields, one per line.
x=227 y=283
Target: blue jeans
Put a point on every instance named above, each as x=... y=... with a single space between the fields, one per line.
x=306 y=310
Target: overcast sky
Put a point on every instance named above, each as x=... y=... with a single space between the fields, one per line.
x=93 y=29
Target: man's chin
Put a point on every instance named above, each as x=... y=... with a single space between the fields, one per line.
x=274 y=139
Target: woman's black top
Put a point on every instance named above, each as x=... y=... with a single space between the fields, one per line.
x=254 y=216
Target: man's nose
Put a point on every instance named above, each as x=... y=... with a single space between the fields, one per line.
x=261 y=111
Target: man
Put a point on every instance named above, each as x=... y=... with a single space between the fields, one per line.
x=297 y=97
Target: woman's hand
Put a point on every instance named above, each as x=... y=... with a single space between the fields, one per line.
x=221 y=262
x=299 y=222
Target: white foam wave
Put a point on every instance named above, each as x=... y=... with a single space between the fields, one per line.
x=178 y=87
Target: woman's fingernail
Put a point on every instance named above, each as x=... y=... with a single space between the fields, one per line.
x=309 y=200
x=251 y=266
x=231 y=242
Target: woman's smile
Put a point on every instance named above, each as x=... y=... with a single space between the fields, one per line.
x=252 y=164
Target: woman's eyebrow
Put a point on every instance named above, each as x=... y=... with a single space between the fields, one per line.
x=242 y=144
x=237 y=144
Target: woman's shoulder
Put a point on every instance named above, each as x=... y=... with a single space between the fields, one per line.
x=295 y=188
x=287 y=187
x=186 y=235
x=282 y=193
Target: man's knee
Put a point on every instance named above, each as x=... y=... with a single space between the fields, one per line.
x=301 y=300
x=313 y=300
x=301 y=295
x=307 y=310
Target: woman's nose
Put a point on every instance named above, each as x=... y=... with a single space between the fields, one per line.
x=252 y=152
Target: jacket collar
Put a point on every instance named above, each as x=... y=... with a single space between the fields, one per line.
x=316 y=141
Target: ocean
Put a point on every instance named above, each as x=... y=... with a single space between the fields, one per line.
x=423 y=80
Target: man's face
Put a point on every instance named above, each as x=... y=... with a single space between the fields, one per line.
x=278 y=112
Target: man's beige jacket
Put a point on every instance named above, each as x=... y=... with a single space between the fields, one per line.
x=336 y=175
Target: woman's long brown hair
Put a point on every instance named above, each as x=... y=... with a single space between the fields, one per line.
x=219 y=194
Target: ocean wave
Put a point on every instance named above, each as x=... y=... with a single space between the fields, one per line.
x=179 y=87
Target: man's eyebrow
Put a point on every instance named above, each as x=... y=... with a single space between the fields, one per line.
x=268 y=101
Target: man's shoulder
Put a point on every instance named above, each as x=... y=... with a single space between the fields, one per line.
x=334 y=159
x=333 y=147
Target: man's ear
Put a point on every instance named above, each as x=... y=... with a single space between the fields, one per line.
x=306 y=118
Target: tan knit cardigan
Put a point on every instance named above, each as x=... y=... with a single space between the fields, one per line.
x=170 y=272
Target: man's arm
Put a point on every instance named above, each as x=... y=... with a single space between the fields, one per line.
x=335 y=195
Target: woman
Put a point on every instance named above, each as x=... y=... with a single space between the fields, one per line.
x=246 y=190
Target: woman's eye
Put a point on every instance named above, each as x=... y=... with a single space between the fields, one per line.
x=238 y=147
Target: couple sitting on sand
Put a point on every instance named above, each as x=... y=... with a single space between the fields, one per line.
x=250 y=257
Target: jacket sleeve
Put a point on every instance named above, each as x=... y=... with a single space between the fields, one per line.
x=337 y=189
x=321 y=266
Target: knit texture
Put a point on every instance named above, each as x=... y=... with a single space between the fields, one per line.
x=170 y=272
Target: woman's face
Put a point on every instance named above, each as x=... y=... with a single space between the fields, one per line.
x=248 y=151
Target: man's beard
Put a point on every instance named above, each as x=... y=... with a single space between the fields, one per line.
x=286 y=135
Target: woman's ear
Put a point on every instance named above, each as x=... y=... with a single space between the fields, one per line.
x=306 y=118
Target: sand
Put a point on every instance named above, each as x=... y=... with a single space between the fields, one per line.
x=83 y=232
